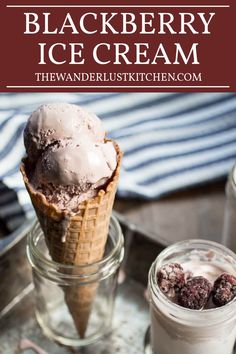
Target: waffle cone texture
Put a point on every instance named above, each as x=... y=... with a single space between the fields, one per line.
x=77 y=239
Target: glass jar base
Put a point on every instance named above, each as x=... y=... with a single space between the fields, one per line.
x=70 y=342
x=147 y=343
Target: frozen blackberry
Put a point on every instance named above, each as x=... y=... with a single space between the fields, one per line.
x=195 y=293
x=224 y=289
x=170 y=278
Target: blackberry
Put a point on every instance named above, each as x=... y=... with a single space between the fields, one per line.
x=224 y=289
x=170 y=278
x=195 y=293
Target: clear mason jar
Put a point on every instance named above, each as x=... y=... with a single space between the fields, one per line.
x=229 y=228
x=178 y=330
x=55 y=282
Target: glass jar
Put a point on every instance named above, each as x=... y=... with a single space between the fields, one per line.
x=175 y=329
x=56 y=283
x=229 y=228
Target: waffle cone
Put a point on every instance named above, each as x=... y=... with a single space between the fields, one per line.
x=78 y=239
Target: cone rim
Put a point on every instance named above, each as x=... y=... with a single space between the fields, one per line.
x=67 y=213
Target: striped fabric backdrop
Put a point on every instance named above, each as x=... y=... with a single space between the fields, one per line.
x=171 y=141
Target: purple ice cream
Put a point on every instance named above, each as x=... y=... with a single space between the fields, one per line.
x=69 y=155
x=60 y=122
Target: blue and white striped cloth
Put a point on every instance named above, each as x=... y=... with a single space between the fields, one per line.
x=171 y=141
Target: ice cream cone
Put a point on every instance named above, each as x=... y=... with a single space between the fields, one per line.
x=78 y=239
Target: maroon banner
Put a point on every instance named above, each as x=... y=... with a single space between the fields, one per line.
x=102 y=46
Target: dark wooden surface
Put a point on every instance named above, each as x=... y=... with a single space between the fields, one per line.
x=196 y=213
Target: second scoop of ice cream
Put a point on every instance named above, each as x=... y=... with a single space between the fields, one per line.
x=69 y=174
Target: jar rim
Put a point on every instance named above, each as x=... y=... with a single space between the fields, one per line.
x=175 y=307
x=32 y=250
x=232 y=176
